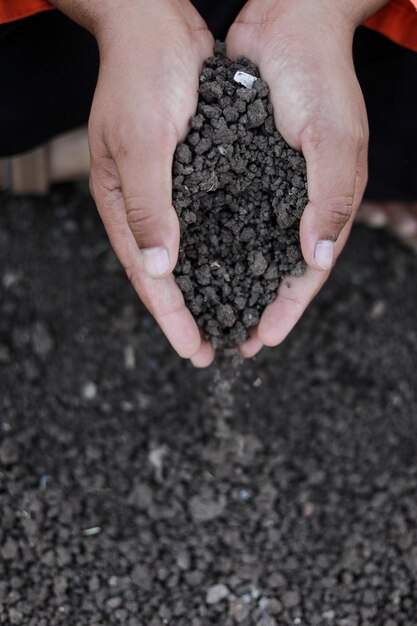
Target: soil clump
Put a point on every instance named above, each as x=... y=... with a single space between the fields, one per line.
x=239 y=190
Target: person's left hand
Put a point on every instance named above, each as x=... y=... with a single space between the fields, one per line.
x=304 y=52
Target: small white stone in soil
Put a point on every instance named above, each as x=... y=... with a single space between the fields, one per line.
x=217 y=593
x=89 y=391
x=257 y=382
x=245 y=495
x=90 y=532
x=156 y=459
x=255 y=592
x=244 y=79
x=10 y=279
x=329 y=615
x=44 y=480
x=130 y=358
x=307 y=509
x=378 y=309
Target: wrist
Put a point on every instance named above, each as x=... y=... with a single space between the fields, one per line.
x=344 y=16
x=353 y=11
x=107 y=18
x=90 y=14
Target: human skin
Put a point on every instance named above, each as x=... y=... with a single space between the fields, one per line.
x=151 y=52
x=304 y=52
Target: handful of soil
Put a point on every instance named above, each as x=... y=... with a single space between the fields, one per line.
x=239 y=191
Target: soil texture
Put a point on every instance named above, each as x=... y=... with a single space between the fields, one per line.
x=239 y=190
x=137 y=491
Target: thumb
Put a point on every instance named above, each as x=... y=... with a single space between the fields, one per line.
x=332 y=173
x=144 y=166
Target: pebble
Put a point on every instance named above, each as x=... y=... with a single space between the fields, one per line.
x=239 y=609
x=216 y=593
x=41 y=339
x=9 y=549
x=257 y=114
x=245 y=79
x=267 y=621
x=9 y=452
x=89 y=391
x=15 y=616
x=291 y=599
x=205 y=509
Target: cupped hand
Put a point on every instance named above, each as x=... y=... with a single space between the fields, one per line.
x=304 y=52
x=151 y=53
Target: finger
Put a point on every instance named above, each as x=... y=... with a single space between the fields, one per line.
x=294 y=295
x=144 y=164
x=205 y=355
x=162 y=297
x=332 y=167
x=252 y=346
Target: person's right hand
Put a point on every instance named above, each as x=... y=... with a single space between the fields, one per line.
x=151 y=53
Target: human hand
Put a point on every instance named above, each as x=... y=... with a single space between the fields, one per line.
x=304 y=52
x=151 y=54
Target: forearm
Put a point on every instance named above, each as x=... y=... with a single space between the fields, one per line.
x=355 y=11
x=87 y=13
x=347 y=14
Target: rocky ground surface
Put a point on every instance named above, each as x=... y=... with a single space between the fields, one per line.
x=135 y=490
x=239 y=190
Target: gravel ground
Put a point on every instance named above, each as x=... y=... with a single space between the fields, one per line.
x=135 y=490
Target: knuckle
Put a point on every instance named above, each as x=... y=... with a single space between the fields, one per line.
x=362 y=136
x=320 y=132
x=338 y=211
x=314 y=133
x=204 y=37
x=156 y=134
x=95 y=184
x=140 y=217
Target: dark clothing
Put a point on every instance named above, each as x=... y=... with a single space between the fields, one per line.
x=48 y=72
x=388 y=76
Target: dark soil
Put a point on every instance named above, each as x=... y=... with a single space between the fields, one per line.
x=239 y=191
x=137 y=491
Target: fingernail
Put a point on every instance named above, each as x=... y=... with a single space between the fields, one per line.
x=156 y=261
x=324 y=254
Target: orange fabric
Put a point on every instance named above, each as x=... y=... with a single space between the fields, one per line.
x=397 y=21
x=11 y=10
